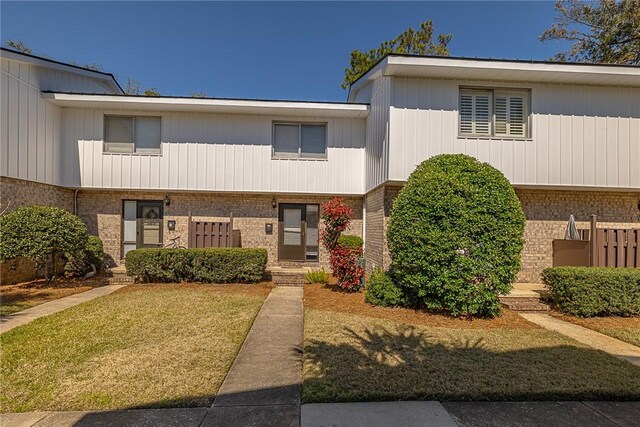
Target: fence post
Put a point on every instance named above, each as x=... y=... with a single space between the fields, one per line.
x=189 y=231
x=593 y=262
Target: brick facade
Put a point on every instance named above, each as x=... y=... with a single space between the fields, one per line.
x=547 y=212
x=102 y=212
x=18 y=192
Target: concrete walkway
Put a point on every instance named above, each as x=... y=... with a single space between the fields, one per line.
x=617 y=348
x=30 y=314
x=357 y=414
x=263 y=386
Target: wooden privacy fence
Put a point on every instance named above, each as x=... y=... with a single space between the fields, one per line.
x=211 y=234
x=599 y=247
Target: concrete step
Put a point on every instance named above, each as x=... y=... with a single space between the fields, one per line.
x=509 y=299
x=119 y=276
x=525 y=306
x=283 y=276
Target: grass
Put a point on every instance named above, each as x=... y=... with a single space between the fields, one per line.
x=625 y=329
x=372 y=355
x=14 y=298
x=143 y=346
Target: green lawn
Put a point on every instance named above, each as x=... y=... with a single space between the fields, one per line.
x=359 y=358
x=144 y=346
x=623 y=328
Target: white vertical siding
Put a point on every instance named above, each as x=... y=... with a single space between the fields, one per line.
x=581 y=135
x=30 y=127
x=31 y=132
x=378 y=132
x=214 y=152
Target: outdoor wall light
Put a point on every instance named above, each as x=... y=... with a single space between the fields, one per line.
x=167 y=201
x=274 y=204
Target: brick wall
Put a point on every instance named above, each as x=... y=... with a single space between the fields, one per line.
x=18 y=192
x=547 y=213
x=102 y=212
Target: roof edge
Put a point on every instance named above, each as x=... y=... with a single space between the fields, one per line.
x=101 y=74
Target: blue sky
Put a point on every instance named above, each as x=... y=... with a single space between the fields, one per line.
x=261 y=50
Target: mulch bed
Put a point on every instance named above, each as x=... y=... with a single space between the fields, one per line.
x=258 y=289
x=332 y=298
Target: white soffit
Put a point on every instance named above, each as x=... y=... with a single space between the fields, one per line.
x=522 y=71
x=208 y=105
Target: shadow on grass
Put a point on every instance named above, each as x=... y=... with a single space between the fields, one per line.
x=407 y=363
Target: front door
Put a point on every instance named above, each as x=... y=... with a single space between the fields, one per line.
x=141 y=225
x=298 y=232
x=149 y=218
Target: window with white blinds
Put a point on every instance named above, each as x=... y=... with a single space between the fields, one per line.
x=494 y=113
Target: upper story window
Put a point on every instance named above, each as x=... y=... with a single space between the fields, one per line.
x=132 y=134
x=300 y=140
x=494 y=112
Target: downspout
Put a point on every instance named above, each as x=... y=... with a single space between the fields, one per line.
x=75 y=201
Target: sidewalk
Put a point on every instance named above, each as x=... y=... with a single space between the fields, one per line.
x=614 y=347
x=30 y=314
x=362 y=414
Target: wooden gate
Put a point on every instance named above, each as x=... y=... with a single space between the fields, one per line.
x=211 y=234
x=616 y=248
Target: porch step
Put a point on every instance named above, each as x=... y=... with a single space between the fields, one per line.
x=282 y=276
x=525 y=297
x=119 y=276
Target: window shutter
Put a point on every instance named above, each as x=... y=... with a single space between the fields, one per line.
x=482 y=114
x=502 y=115
x=511 y=114
x=475 y=112
x=517 y=117
x=466 y=114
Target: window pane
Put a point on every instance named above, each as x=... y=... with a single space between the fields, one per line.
x=118 y=129
x=285 y=140
x=482 y=114
x=147 y=133
x=130 y=223
x=313 y=142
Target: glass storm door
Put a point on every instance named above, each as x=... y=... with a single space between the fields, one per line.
x=149 y=217
x=298 y=232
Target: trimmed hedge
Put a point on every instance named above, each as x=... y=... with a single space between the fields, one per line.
x=350 y=241
x=594 y=291
x=455 y=236
x=381 y=290
x=81 y=264
x=211 y=265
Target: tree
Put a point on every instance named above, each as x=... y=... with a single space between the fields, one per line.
x=605 y=31
x=18 y=45
x=152 y=91
x=132 y=87
x=418 y=42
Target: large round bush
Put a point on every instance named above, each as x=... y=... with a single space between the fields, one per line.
x=39 y=232
x=455 y=236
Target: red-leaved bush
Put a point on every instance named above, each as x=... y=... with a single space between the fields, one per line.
x=336 y=216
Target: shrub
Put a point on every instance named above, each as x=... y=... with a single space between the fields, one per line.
x=594 y=291
x=350 y=241
x=317 y=276
x=336 y=216
x=93 y=254
x=40 y=233
x=455 y=236
x=381 y=290
x=211 y=265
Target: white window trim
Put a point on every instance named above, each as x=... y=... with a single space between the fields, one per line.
x=133 y=151
x=275 y=156
x=503 y=90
